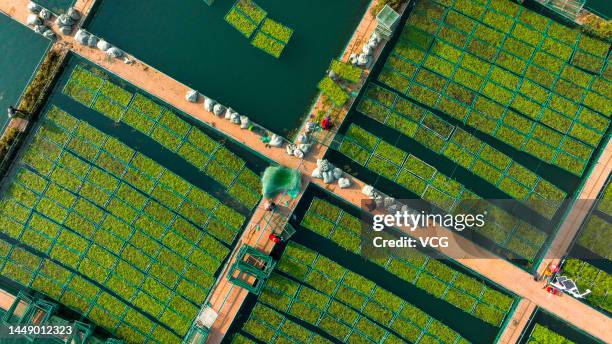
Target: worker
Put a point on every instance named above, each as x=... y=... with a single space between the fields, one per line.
x=554 y=269
x=326 y=123
x=550 y=270
x=266 y=140
x=11 y=112
x=274 y=238
x=269 y=205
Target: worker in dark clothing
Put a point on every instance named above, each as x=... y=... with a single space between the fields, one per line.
x=13 y=112
x=269 y=206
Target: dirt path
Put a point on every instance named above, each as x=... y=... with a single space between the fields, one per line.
x=228 y=299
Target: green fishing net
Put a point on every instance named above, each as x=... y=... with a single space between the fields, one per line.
x=278 y=179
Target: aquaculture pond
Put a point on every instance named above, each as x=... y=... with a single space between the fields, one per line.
x=601 y=7
x=323 y=291
x=56 y=6
x=22 y=51
x=125 y=224
x=483 y=100
x=546 y=328
x=193 y=43
x=589 y=260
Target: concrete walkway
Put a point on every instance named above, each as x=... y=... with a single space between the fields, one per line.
x=518 y=322
x=226 y=298
x=495 y=269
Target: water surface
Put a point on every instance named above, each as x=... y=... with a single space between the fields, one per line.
x=21 y=49
x=191 y=42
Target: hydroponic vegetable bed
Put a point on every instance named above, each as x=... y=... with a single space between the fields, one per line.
x=429 y=274
x=95 y=90
x=426 y=182
x=482 y=100
x=508 y=72
x=463 y=148
x=342 y=304
x=111 y=220
x=272 y=37
x=546 y=328
x=245 y=16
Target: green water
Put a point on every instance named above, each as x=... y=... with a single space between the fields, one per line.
x=20 y=52
x=191 y=42
x=56 y=6
x=601 y=7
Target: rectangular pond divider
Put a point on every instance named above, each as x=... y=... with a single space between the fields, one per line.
x=251 y=269
x=168 y=129
x=513 y=80
x=92 y=209
x=419 y=269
